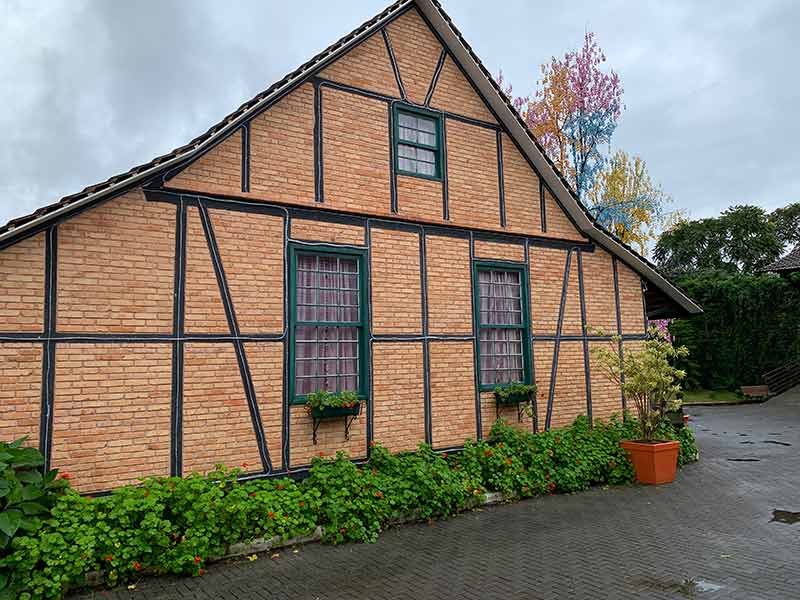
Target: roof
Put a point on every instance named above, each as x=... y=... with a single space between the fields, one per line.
x=463 y=53
x=790 y=262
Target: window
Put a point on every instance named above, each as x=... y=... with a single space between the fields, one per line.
x=502 y=326
x=328 y=317
x=418 y=146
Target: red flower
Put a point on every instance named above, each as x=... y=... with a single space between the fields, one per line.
x=197 y=560
x=372 y=444
x=146 y=494
x=201 y=572
x=322 y=454
x=109 y=557
x=280 y=487
x=66 y=476
x=487 y=453
x=501 y=445
x=343 y=531
x=551 y=486
x=577 y=461
x=137 y=566
x=244 y=465
x=252 y=494
x=444 y=455
x=509 y=461
x=379 y=494
x=271 y=515
x=302 y=504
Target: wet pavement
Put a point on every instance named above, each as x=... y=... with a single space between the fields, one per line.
x=726 y=529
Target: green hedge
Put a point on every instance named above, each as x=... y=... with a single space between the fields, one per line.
x=750 y=325
x=174 y=525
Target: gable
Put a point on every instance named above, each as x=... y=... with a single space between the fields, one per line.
x=463 y=87
x=366 y=66
x=417 y=53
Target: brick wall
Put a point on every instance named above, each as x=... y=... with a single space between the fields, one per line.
x=521 y=188
x=116 y=266
x=251 y=250
x=216 y=419
x=417 y=52
x=22 y=285
x=396 y=295
x=323 y=231
x=266 y=368
x=558 y=223
x=499 y=251
x=330 y=437
x=204 y=310
x=449 y=285
x=217 y=171
x=454 y=94
x=452 y=393
x=598 y=277
x=630 y=299
x=420 y=199
x=399 y=397
x=282 y=150
x=20 y=391
x=356 y=152
x=111 y=413
x=570 y=390
x=472 y=175
x=366 y=66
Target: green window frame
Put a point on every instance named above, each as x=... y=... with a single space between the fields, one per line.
x=417 y=142
x=327 y=330
x=503 y=340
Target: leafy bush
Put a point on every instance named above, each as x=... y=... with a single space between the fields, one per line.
x=174 y=525
x=26 y=497
x=749 y=326
x=323 y=399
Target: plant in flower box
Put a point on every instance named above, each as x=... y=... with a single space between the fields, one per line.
x=650 y=381
x=514 y=393
x=323 y=404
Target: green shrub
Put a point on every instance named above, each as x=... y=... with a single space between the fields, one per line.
x=174 y=525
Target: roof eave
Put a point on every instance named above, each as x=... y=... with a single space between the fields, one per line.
x=510 y=118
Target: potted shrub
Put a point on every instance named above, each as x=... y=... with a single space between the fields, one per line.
x=327 y=405
x=651 y=383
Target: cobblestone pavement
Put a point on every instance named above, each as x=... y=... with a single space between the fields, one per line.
x=713 y=526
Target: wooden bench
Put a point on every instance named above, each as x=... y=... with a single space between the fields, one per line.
x=755 y=391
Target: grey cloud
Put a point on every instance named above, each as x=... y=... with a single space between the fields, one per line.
x=91 y=87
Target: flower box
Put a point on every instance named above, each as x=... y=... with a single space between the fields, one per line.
x=330 y=412
x=516 y=398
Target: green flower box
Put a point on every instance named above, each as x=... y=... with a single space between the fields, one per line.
x=329 y=412
x=517 y=398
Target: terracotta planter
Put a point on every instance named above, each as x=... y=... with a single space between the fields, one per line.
x=654 y=462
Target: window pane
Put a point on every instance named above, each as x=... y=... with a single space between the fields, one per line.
x=327 y=289
x=501 y=353
x=416 y=160
x=420 y=130
x=326 y=358
x=500 y=297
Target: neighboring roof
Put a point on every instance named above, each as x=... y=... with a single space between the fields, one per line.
x=481 y=78
x=790 y=262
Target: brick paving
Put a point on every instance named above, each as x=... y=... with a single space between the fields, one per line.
x=713 y=525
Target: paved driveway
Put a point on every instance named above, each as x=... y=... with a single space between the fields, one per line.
x=713 y=526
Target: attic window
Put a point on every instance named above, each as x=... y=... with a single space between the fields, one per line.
x=418 y=143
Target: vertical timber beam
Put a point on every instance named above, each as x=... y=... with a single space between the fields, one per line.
x=619 y=330
x=534 y=407
x=319 y=175
x=585 y=333
x=393 y=60
x=246 y=157
x=475 y=339
x=435 y=78
x=542 y=207
x=500 y=182
x=426 y=350
x=49 y=347
x=178 y=327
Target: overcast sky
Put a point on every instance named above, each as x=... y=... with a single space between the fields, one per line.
x=89 y=88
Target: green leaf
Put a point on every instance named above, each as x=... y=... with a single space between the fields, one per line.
x=3 y=581
x=9 y=522
x=30 y=477
x=29 y=524
x=32 y=508
x=32 y=492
